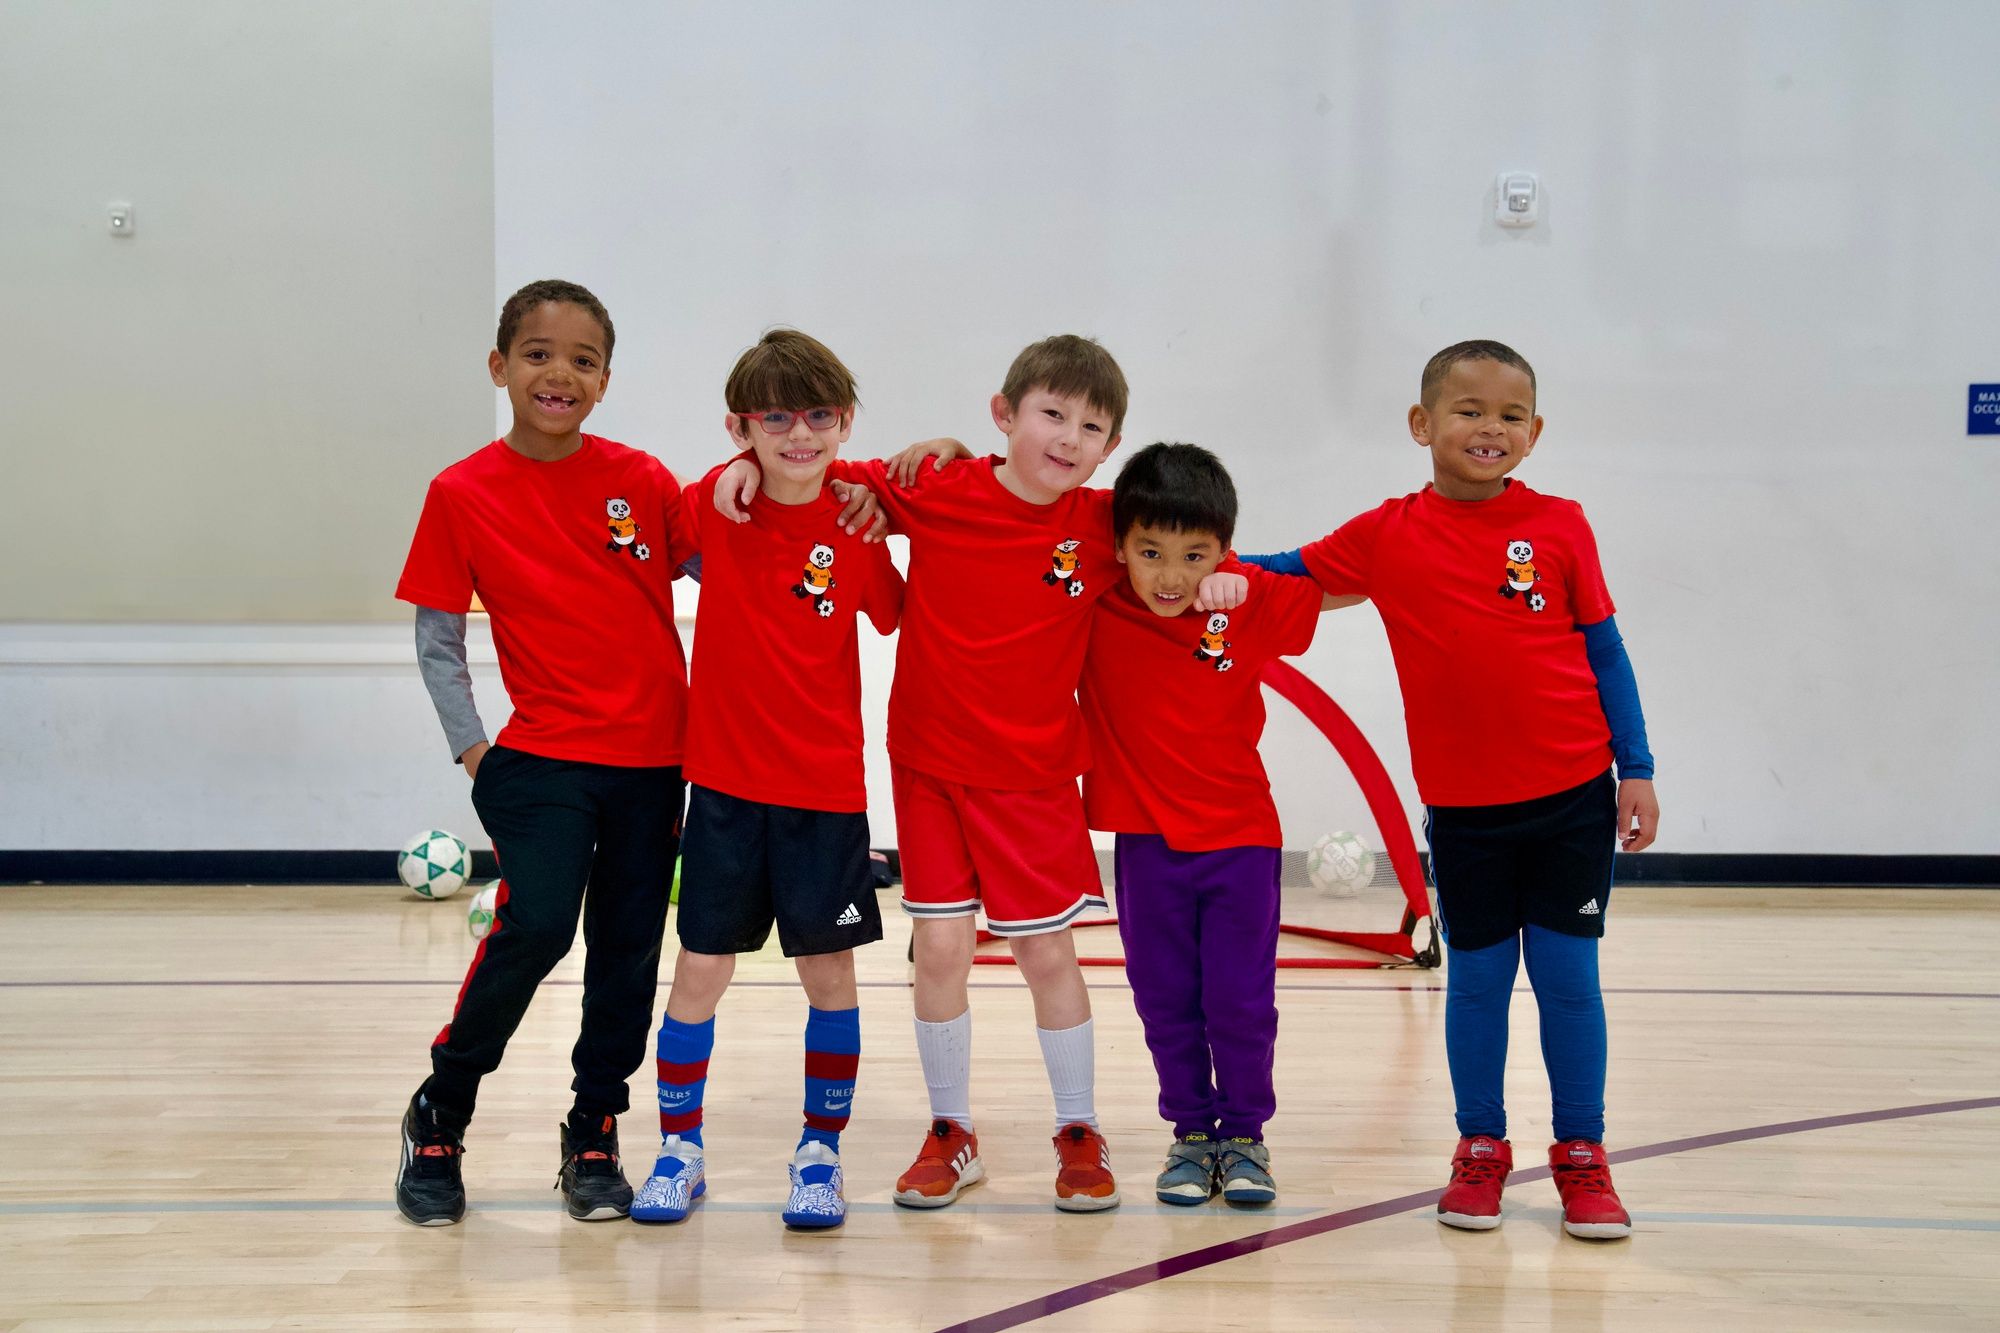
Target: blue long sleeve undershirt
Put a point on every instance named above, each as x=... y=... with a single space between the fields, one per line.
x=1603 y=647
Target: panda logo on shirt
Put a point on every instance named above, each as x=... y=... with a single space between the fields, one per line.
x=817 y=580
x=1213 y=646
x=624 y=529
x=1522 y=576
x=1063 y=567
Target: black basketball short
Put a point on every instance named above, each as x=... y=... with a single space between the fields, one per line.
x=746 y=865
x=1545 y=862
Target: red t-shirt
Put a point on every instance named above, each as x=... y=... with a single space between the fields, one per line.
x=1174 y=709
x=774 y=710
x=994 y=626
x=1482 y=600
x=572 y=561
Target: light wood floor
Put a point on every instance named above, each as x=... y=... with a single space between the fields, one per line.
x=199 y=1091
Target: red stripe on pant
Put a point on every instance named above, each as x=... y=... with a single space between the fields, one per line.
x=478 y=956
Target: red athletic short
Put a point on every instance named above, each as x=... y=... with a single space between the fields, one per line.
x=1024 y=856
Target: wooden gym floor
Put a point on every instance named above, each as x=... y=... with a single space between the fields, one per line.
x=199 y=1090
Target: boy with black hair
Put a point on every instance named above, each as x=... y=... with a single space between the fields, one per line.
x=1174 y=710
x=564 y=537
x=777 y=822
x=1521 y=706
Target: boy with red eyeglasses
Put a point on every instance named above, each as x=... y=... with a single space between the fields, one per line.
x=777 y=822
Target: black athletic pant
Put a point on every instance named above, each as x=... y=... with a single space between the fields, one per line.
x=570 y=836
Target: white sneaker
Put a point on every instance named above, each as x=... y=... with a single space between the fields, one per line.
x=677 y=1181
x=817 y=1201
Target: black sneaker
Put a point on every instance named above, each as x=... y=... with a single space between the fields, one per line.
x=429 y=1190
x=593 y=1185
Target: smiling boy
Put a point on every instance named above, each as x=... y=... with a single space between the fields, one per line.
x=1171 y=695
x=1529 y=749
x=777 y=825
x=564 y=538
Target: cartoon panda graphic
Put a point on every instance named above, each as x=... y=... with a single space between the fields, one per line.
x=1063 y=567
x=624 y=529
x=1213 y=647
x=817 y=580
x=1522 y=576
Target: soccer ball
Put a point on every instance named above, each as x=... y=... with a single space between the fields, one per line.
x=1340 y=864
x=479 y=916
x=434 y=863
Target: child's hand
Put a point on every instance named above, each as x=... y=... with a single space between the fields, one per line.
x=1221 y=592
x=1638 y=814
x=862 y=510
x=906 y=467
x=736 y=488
x=473 y=754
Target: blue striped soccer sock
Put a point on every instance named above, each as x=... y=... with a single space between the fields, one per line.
x=683 y=1053
x=833 y=1058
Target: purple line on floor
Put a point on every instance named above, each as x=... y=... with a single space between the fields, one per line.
x=1097 y=1289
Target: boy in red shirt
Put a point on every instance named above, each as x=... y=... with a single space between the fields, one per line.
x=1184 y=789
x=1520 y=701
x=1007 y=556
x=777 y=822
x=565 y=539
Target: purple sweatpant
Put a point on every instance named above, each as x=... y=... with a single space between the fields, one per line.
x=1201 y=950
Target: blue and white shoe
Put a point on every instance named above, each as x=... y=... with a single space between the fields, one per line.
x=677 y=1181
x=817 y=1201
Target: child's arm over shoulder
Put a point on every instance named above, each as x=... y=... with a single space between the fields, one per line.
x=905 y=468
x=1342 y=562
x=742 y=479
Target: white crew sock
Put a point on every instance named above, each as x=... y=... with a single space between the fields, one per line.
x=1071 y=1056
x=946 y=1051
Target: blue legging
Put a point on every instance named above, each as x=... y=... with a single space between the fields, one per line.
x=1563 y=971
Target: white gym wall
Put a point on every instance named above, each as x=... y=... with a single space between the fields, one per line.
x=1762 y=281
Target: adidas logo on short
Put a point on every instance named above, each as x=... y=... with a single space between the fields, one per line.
x=1588 y=909
x=852 y=916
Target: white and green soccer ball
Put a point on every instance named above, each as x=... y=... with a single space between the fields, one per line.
x=480 y=915
x=1340 y=864
x=434 y=864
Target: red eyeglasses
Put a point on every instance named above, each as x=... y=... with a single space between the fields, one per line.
x=778 y=423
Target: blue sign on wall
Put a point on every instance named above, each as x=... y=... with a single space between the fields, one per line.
x=1982 y=409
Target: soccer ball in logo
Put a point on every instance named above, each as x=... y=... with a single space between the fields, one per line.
x=480 y=914
x=434 y=863
x=1340 y=864
x=1536 y=601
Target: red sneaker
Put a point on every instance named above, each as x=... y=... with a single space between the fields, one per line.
x=946 y=1164
x=1583 y=1178
x=1084 y=1183
x=1479 y=1171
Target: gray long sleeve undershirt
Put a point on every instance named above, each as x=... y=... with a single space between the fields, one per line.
x=441 y=656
